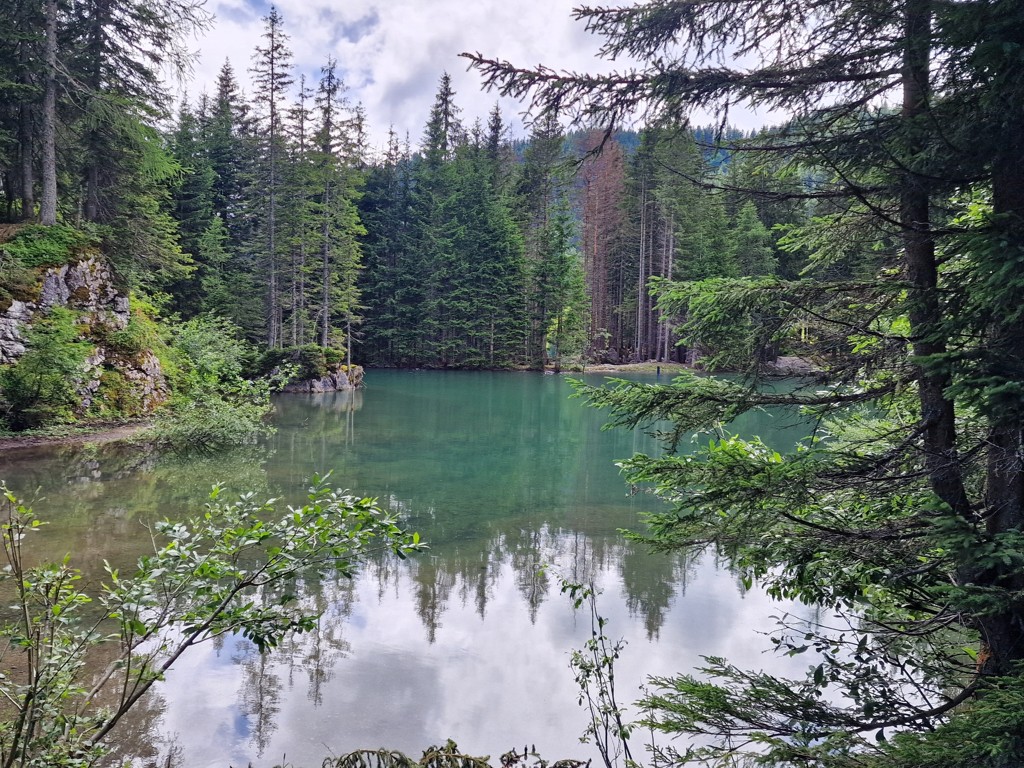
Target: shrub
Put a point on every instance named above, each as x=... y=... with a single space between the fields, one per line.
x=334 y=356
x=42 y=387
x=310 y=361
x=225 y=572
x=143 y=333
x=209 y=421
x=213 y=407
x=207 y=351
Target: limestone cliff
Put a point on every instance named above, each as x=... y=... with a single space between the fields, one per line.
x=116 y=379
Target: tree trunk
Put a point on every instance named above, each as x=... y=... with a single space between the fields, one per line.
x=26 y=141
x=48 y=201
x=937 y=412
x=325 y=307
x=1003 y=630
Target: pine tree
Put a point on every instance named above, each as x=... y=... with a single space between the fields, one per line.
x=391 y=293
x=541 y=199
x=272 y=77
x=339 y=179
x=920 y=427
x=751 y=244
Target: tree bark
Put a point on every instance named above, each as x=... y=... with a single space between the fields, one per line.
x=937 y=411
x=325 y=310
x=48 y=199
x=26 y=142
x=1003 y=631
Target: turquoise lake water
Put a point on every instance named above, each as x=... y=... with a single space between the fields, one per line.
x=501 y=473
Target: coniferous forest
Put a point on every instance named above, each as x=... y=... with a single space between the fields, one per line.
x=876 y=235
x=463 y=247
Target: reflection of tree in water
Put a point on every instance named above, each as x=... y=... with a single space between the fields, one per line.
x=261 y=695
x=137 y=738
x=527 y=557
x=651 y=581
x=101 y=502
x=471 y=574
x=316 y=652
x=486 y=577
x=316 y=425
x=433 y=590
x=387 y=572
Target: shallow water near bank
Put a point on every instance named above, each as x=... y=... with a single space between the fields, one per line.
x=501 y=473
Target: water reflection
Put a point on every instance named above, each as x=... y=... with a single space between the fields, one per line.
x=502 y=474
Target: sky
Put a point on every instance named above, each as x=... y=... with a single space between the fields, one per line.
x=392 y=53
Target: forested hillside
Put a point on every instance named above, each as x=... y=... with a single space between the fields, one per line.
x=463 y=247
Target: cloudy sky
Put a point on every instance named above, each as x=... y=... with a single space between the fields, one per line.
x=393 y=52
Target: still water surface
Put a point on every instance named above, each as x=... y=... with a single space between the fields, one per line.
x=501 y=473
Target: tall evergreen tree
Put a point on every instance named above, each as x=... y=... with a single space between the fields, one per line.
x=925 y=465
x=271 y=71
x=391 y=293
x=338 y=140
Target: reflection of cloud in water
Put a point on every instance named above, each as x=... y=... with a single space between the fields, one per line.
x=491 y=682
x=500 y=474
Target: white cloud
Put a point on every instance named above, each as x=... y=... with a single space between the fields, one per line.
x=392 y=52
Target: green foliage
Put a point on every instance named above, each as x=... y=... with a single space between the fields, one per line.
x=447 y=756
x=209 y=352
x=306 y=362
x=117 y=397
x=751 y=244
x=213 y=406
x=42 y=387
x=143 y=333
x=37 y=246
x=987 y=733
x=226 y=572
x=734 y=323
x=594 y=670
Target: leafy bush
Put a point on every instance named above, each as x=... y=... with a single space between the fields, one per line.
x=209 y=350
x=310 y=361
x=42 y=387
x=143 y=332
x=334 y=356
x=227 y=572
x=117 y=397
x=210 y=420
x=213 y=406
x=16 y=280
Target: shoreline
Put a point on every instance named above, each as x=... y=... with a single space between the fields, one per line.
x=653 y=367
x=101 y=433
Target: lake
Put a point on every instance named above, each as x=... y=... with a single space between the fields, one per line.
x=501 y=473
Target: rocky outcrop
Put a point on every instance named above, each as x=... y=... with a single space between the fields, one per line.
x=135 y=380
x=12 y=322
x=86 y=286
x=786 y=366
x=335 y=381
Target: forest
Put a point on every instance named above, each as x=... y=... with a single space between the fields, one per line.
x=470 y=248
x=878 y=232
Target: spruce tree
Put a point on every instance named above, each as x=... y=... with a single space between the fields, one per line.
x=904 y=515
x=271 y=71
